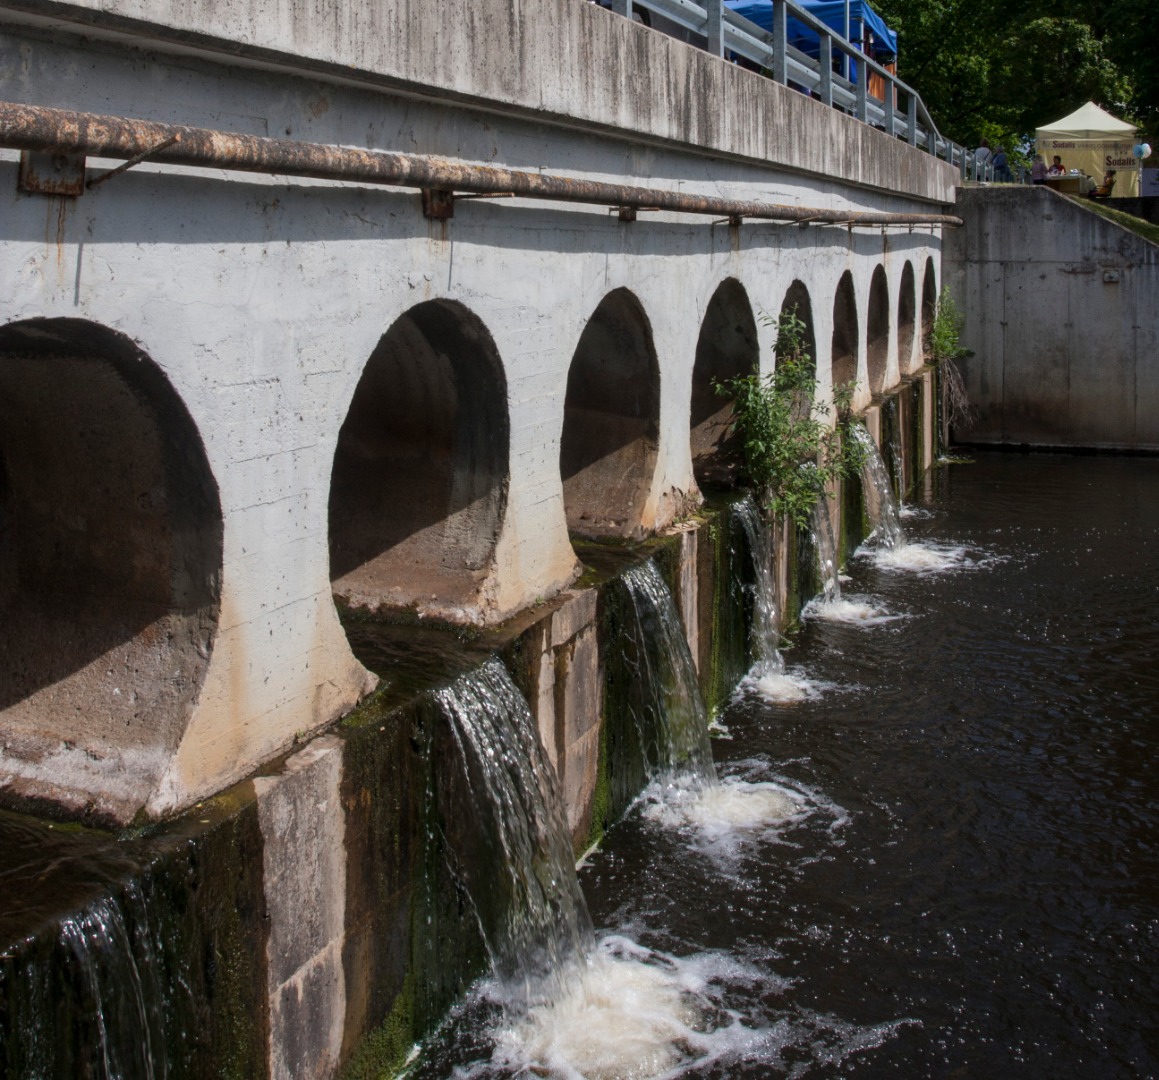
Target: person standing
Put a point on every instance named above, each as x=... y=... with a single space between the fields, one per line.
x=1038 y=170
x=1002 y=173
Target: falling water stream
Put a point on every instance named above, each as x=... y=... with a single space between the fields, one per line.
x=948 y=869
x=952 y=870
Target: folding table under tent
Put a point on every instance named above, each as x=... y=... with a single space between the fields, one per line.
x=1093 y=140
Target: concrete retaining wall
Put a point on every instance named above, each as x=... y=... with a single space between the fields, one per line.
x=258 y=305
x=1062 y=313
x=311 y=918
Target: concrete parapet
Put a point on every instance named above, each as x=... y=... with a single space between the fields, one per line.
x=556 y=60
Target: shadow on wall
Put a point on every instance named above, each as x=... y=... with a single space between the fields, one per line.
x=929 y=307
x=110 y=546
x=419 y=483
x=727 y=348
x=611 y=422
x=877 y=331
x=845 y=336
x=906 y=313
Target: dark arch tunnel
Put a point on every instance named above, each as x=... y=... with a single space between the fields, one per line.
x=877 y=331
x=798 y=304
x=419 y=481
x=845 y=332
x=110 y=542
x=611 y=423
x=727 y=348
x=929 y=306
x=906 y=318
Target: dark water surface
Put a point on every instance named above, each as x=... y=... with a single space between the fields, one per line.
x=975 y=891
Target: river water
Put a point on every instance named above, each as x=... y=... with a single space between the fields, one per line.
x=942 y=859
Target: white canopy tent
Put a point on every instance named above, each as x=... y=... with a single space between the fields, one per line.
x=1093 y=140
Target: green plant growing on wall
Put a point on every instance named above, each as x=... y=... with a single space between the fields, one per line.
x=946 y=350
x=791 y=454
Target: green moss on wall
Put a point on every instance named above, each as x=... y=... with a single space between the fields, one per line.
x=385 y=1050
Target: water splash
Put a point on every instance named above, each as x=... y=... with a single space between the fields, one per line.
x=786 y=688
x=887 y=546
x=753 y=804
x=921 y=558
x=645 y=1014
x=879 y=500
x=542 y=925
x=668 y=712
x=853 y=610
x=766 y=637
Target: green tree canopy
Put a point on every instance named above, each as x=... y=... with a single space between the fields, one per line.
x=998 y=69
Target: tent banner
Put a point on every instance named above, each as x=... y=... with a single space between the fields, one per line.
x=1094 y=157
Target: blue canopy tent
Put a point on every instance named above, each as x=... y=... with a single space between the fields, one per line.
x=862 y=18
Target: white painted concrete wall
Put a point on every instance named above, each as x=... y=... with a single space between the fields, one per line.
x=261 y=300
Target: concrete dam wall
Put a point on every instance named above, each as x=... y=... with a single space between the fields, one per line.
x=230 y=398
x=300 y=472
x=1062 y=314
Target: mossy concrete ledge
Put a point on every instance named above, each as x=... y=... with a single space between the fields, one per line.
x=312 y=921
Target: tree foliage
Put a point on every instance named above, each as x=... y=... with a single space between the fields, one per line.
x=998 y=69
x=791 y=454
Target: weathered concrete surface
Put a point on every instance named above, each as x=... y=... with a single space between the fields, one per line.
x=303 y=829
x=1062 y=313
x=313 y=885
x=568 y=676
x=261 y=303
x=561 y=59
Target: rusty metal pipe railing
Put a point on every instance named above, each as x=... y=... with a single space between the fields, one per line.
x=36 y=128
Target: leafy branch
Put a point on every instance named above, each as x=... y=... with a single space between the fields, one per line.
x=945 y=350
x=791 y=453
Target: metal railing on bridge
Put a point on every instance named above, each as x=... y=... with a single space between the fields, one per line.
x=900 y=113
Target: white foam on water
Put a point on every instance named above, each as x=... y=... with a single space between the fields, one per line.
x=781 y=687
x=913 y=513
x=633 y=1013
x=853 y=610
x=718 y=812
x=717 y=729
x=919 y=557
x=788 y=687
x=751 y=805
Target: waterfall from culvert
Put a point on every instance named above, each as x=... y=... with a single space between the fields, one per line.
x=669 y=713
x=539 y=925
x=89 y=1003
x=826 y=547
x=879 y=500
x=765 y=630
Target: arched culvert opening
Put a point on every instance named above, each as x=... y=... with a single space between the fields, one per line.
x=845 y=337
x=726 y=349
x=798 y=335
x=611 y=421
x=419 y=483
x=929 y=306
x=110 y=559
x=877 y=331
x=906 y=316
